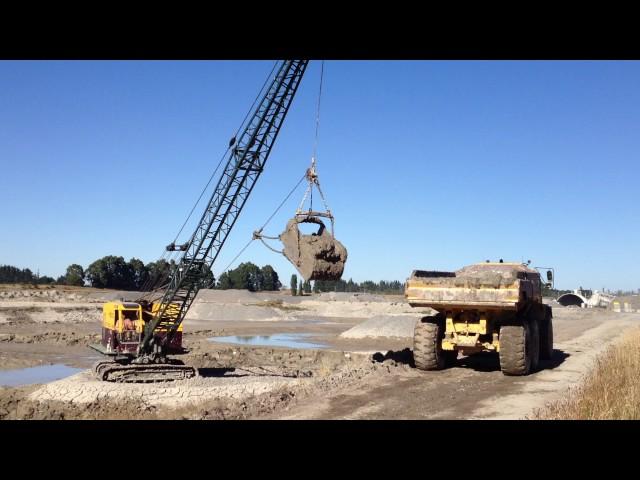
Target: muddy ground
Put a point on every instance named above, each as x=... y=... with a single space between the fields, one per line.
x=361 y=367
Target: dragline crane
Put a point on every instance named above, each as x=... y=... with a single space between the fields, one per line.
x=139 y=336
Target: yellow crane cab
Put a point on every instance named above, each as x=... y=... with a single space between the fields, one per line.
x=123 y=328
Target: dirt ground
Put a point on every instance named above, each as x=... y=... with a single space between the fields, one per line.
x=360 y=367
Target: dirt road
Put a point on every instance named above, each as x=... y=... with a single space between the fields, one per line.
x=476 y=388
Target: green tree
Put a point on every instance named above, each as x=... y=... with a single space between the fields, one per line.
x=137 y=273
x=307 y=286
x=300 y=288
x=224 y=282
x=240 y=277
x=294 y=284
x=44 y=280
x=109 y=272
x=256 y=279
x=247 y=276
x=159 y=272
x=74 y=275
x=271 y=282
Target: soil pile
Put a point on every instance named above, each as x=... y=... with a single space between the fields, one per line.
x=398 y=326
x=474 y=276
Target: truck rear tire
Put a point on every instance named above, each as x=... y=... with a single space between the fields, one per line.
x=427 y=345
x=515 y=349
x=546 y=335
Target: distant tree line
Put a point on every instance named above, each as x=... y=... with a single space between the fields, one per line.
x=10 y=274
x=368 y=286
x=107 y=272
x=114 y=272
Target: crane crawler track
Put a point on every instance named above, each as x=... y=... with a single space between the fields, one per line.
x=142 y=373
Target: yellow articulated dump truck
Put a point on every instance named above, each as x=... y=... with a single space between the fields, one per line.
x=490 y=307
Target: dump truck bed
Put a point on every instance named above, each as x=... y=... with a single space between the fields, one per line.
x=483 y=286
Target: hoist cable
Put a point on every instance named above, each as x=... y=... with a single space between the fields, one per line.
x=315 y=151
x=315 y=146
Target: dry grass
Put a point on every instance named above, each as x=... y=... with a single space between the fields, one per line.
x=611 y=391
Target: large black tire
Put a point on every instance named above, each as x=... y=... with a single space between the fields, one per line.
x=515 y=349
x=427 y=345
x=546 y=335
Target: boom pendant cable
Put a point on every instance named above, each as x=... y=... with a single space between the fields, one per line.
x=231 y=143
x=151 y=282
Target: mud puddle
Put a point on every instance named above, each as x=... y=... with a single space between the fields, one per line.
x=39 y=374
x=286 y=340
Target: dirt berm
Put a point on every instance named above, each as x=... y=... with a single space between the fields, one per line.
x=385 y=326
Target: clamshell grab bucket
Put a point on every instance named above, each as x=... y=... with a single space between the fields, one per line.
x=318 y=256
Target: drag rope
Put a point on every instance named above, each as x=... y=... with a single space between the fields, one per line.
x=258 y=233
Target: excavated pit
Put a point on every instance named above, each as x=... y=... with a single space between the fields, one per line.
x=236 y=381
x=233 y=382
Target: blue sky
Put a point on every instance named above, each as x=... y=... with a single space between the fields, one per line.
x=426 y=164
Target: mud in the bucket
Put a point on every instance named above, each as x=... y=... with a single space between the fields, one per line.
x=318 y=256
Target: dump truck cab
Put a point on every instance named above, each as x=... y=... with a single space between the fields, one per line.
x=492 y=307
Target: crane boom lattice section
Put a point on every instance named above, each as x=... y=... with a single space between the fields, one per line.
x=246 y=161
